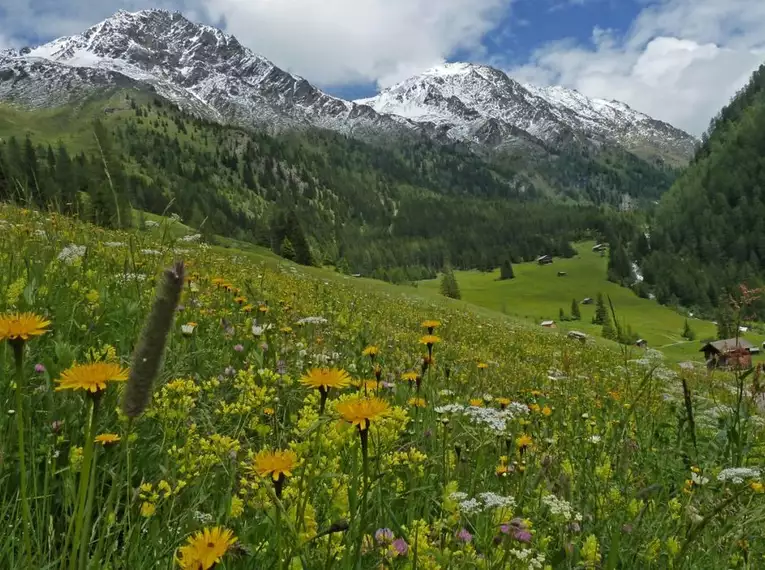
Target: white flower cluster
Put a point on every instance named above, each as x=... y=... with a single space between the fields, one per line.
x=312 y=321
x=491 y=418
x=151 y=252
x=535 y=560
x=561 y=509
x=113 y=244
x=72 y=253
x=125 y=277
x=738 y=475
x=152 y=224
x=191 y=238
x=484 y=502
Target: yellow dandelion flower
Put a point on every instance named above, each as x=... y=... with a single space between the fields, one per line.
x=205 y=548
x=535 y=408
x=429 y=340
x=268 y=411
x=431 y=324
x=482 y=366
x=91 y=377
x=476 y=402
x=22 y=326
x=524 y=441
x=248 y=308
x=361 y=411
x=326 y=378
x=240 y=300
x=418 y=402
x=503 y=402
x=371 y=351
x=286 y=330
x=263 y=308
x=107 y=438
x=547 y=411
x=148 y=509
x=277 y=464
x=757 y=487
x=410 y=376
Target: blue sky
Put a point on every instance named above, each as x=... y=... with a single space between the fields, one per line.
x=676 y=60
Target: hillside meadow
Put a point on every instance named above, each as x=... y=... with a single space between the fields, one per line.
x=537 y=294
x=300 y=419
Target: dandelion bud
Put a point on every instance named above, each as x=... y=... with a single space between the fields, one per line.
x=147 y=358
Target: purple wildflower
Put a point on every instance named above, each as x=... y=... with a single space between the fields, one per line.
x=239 y=348
x=40 y=368
x=522 y=536
x=463 y=535
x=384 y=536
x=401 y=547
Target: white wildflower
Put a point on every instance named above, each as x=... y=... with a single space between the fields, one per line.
x=738 y=475
x=72 y=253
x=191 y=238
x=699 y=479
x=152 y=224
x=151 y=252
x=594 y=438
x=561 y=509
x=312 y=321
x=113 y=244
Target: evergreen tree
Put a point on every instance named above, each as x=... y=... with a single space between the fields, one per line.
x=688 y=332
x=726 y=327
x=287 y=250
x=575 y=313
x=506 y=269
x=601 y=312
x=619 y=265
x=609 y=331
x=449 y=286
x=561 y=315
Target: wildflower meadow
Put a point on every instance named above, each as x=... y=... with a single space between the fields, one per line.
x=170 y=404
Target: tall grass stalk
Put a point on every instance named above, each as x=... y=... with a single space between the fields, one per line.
x=18 y=355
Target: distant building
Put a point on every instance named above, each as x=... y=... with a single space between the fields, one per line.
x=599 y=247
x=641 y=343
x=544 y=259
x=587 y=301
x=549 y=324
x=728 y=353
x=562 y=273
x=577 y=335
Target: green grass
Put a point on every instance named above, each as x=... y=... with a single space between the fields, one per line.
x=537 y=294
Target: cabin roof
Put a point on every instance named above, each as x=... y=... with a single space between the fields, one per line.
x=722 y=346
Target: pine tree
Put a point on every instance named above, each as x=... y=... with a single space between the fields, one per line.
x=287 y=250
x=609 y=331
x=506 y=270
x=726 y=327
x=601 y=312
x=575 y=313
x=688 y=332
x=561 y=315
x=449 y=286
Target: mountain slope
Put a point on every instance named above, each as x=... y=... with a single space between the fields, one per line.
x=212 y=75
x=483 y=104
x=196 y=66
x=709 y=231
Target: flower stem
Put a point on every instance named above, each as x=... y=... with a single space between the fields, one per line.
x=364 y=434
x=82 y=492
x=18 y=353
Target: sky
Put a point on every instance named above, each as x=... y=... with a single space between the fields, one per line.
x=676 y=60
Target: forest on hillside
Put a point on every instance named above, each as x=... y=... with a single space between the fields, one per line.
x=708 y=234
x=397 y=212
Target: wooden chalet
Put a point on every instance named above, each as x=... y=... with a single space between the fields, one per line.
x=544 y=259
x=728 y=353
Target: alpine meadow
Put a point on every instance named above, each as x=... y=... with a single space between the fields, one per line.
x=464 y=322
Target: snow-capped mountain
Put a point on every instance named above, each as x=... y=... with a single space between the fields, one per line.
x=480 y=103
x=196 y=66
x=209 y=73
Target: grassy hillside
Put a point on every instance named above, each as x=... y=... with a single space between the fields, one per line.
x=538 y=294
x=492 y=444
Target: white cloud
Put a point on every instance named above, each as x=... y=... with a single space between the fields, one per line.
x=330 y=42
x=345 y=41
x=681 y=61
